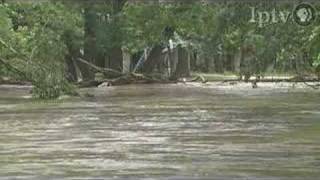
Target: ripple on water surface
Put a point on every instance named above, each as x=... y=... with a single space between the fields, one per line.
x=161 y=132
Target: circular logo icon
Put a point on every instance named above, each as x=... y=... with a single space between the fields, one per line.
x=304 y=14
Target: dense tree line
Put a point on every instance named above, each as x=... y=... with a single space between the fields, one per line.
x=41 y=42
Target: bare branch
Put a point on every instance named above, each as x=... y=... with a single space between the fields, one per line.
x=99 y=69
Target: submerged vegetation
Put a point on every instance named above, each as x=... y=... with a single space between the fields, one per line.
x=42 y=42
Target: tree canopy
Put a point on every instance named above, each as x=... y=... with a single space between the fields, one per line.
x=36 y=38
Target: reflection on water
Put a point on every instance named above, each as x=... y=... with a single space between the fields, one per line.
x=162 y=132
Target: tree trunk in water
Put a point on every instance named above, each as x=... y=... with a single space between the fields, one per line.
x=90 y=48
x=237 y=61
x=114 y=60
x=193 y=61
x=218 y=64
x=209 y=64
x=71 y=70
x=73 y=73
x=248 y=62
x=201 y=62
x=153 y=60
x=183 y=65
x=116 y=56
x=318 y=72
x=126 y=61
x=173 y=60
x=229 y=62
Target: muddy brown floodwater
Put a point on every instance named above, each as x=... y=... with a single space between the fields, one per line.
x=186 y=131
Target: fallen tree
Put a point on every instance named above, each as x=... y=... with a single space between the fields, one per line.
x=129 y=78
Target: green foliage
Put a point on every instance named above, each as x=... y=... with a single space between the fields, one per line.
x=37 y=33
x=37 y=37
x=143 y=25
x=212 y=30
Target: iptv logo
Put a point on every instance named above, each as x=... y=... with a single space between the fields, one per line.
x=303 y=14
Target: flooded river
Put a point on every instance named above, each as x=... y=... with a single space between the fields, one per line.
x=150 y=132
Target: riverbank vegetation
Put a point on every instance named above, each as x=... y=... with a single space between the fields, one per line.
x=59 y=45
